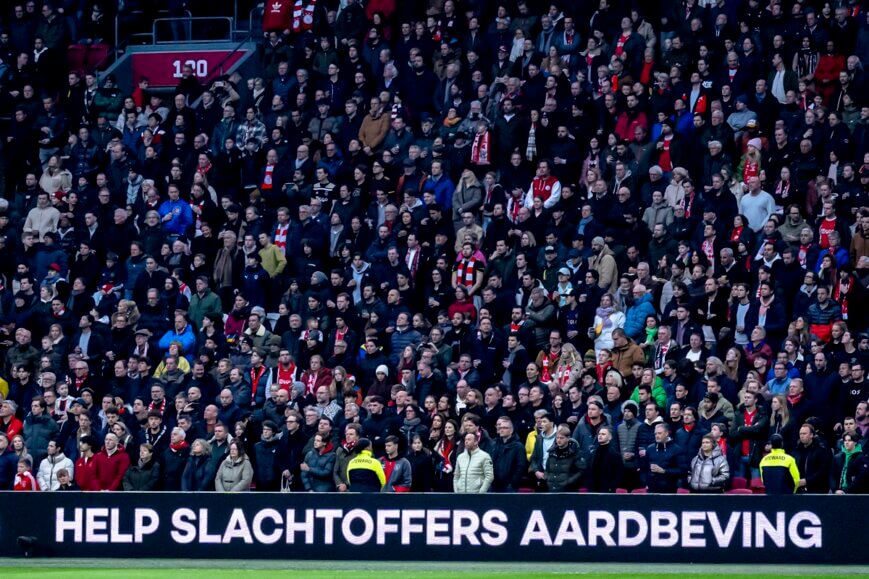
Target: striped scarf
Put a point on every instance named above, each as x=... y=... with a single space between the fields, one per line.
x=480 y=149
x=465 y=271
x=531 y=149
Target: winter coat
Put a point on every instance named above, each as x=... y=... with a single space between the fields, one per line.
x=626 y=356
x=401 y=477
x=234 y=475
x=857 y=475
x=38 y=430
x=565 y=467
x=756 y=434
x=635 y=318
x=690 y=441
x=318 y=477
x=709 y=474
x=509 y=464
x=143 y=477
x=265 y=474
x=174 y=462
x=47 y=474
x=586 y=435
x=605 y=468
x=198 y=474
x=668 y=456
x=814 y=463
x=473 y=472
x=627 y=437
x=421 y=471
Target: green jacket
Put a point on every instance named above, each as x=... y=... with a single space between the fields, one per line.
x=201 y=306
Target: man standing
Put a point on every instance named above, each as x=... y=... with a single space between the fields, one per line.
x=778 y=470
x=474 y=472
x=396 y=469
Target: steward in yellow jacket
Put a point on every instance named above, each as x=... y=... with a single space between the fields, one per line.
x=778 y=470
x=364 y=472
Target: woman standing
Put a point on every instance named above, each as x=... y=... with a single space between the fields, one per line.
x=606 y=319
x=235 y=473
x=709 y=469
x=445 y=457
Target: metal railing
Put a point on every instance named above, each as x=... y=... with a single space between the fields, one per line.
x=188 y=22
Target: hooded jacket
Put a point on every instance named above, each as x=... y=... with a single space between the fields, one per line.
x=234 y=475
x=565 y=467
x=709 y=474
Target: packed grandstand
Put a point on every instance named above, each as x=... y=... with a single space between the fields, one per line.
x=454 y=246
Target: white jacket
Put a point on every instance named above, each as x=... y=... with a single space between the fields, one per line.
x=474 y=472
x=47 y=475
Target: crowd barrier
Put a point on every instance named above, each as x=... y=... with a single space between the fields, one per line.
x=435 y=527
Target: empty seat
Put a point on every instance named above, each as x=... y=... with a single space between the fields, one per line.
x=76 y=55
x=639 y=492
x=740 y=492
x=740 y=482
x=97 y=55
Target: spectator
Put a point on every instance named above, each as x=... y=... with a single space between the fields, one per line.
x=474 y=472
x=235 y=473
x=709 y=472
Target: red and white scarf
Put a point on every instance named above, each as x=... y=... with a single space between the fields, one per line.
x=303 y=15
x=466 y=271
x=480 y=149
x=268 y=178
x=281 y=236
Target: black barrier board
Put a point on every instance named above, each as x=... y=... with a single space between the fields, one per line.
x=492 y=527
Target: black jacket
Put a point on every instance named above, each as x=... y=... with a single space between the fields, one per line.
x=509 y=462
x=814 y=464
x=605 y=469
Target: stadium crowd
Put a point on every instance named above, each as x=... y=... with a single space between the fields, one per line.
x=460 y=246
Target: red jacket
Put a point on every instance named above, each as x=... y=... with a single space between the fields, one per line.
x=86 y=473
x=14 y=427
x=25 y=482
x=111 y=469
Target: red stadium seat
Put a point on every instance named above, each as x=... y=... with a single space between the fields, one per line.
x=621 y=491
x=639 y=491
x=583 y=490
x=526 y=490
x=740 y=482
x=683 y=492
x=739 y=492
x=757 y=487
x=96 y=56
x=76 y=55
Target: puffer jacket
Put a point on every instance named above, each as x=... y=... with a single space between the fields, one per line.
x=709 y=474
x=234 y=475
x=565 y=467
x=318 y=477
x=47 y=473
x=627 y=434
x=473 y=473
x=635 y=318
x=509 y=463
x=143 y=477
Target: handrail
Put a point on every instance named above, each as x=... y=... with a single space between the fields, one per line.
x=117 y=22
x=258 y=8
x=188 y=20
x=218 y=69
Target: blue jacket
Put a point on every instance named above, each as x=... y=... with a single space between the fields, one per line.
x=443 y=191
x=182 y=216
x=635 y=318
x=187 y=339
